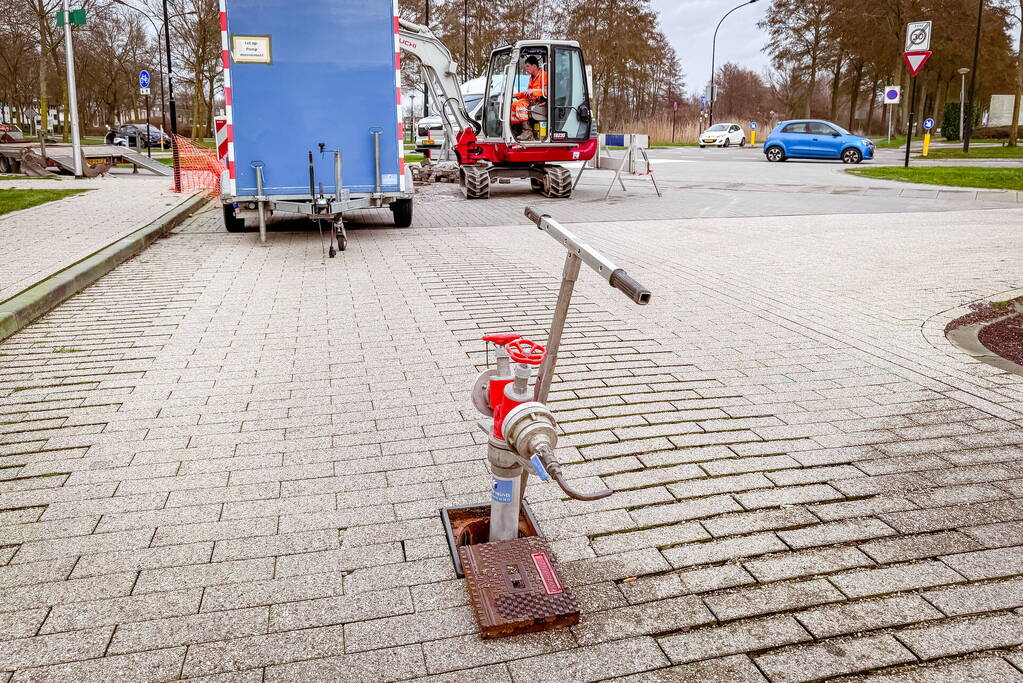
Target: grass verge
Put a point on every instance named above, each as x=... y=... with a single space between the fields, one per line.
x=27 y=177
x=16 y=200
x=955 y=176
x=975 y=153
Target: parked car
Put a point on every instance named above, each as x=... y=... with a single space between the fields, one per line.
x=816 y=139
x=135 y=135
x=723 y=135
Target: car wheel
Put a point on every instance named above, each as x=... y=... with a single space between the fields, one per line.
x=702 y=146
x=851 y=156
x=775 y=153
x=742 y=142
x=726 y=143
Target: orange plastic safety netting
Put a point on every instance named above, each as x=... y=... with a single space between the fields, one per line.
x=198 y=169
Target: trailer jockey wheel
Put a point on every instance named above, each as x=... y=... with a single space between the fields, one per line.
x=342 y=236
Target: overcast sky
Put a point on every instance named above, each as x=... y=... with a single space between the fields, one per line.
x=689 y=25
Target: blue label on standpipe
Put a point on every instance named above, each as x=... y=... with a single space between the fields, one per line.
x=502 y=492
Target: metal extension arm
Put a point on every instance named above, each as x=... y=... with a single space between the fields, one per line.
x=441 y=72
x=578 y=252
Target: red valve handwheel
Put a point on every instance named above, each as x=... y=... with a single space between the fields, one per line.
x=526 y=351
x=501 y=339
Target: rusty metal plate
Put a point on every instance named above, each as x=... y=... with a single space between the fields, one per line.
x=515 y=588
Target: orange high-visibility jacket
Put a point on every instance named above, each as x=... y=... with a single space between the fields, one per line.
x=537 y=86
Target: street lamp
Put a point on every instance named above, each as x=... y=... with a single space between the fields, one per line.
x=962 y=95
x=968 y=124
x=426 y=90
x=713 y=49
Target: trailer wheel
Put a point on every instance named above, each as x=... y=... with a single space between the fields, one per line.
x=475 y=182
x=231 y=221
x=557 y=183
x=402 y=211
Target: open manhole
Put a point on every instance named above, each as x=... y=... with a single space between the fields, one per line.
x=992 y=333
x=470 y=525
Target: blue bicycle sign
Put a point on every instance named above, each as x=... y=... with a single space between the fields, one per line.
x=143 y=79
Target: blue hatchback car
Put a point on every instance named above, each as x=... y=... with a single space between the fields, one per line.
x=816 y=139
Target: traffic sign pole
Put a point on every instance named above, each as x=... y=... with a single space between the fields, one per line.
x=928 y=125
x=912 y=116
x=149 y=140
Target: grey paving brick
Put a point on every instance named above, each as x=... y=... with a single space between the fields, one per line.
x=155 y=665
x=737 y=668
x=171 y=578
x=346 y=559
x=788 y=495
x=777 y=597
x=288 y=616
x=614 y=659
x=833 y=658
x=252 y=593
x=648 y=538
x=735 y=638
x=63 y=592
x=707 y=487
x=866 y=615
x=836 y=532
x=56 y=648
x=721 y=550
x=805 y=563
x=977 y=598
x=187 y=630
x=917 y=546
x=385 y=664
x=987 y=564
x=408 y=629
x=265 y=650
x=761 y=520
x=997 y=535
x=122 y=610
x=884 y=580
x=977 y=669
x=636 y=620
x=686 y=510
x=145 y=558
x=962 y=636
x=23 y=624
x=465 y=652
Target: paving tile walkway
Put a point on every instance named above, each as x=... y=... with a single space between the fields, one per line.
x=42 y=240
x=228 y=459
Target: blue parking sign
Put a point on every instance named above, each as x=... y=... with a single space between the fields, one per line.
x=752 y=125
x=143 y=79
x=928 y=123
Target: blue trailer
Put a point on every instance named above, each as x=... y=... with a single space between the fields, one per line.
x=313 y=99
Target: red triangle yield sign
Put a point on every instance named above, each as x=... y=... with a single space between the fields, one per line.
x=915 y=60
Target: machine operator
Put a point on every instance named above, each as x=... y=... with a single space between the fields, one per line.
x=535 y=93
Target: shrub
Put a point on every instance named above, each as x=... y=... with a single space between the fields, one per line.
x=994 y=132
x=950 y=121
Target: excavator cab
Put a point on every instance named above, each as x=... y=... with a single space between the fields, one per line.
x=560 y=115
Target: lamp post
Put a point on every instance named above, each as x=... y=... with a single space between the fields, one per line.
x=968 y=124
x=426 y=90
x=713 y=50
x=72 y=94
x=962 y=95
x=465 y=40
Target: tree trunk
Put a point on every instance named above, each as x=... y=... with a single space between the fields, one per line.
x=871 y=103
x=812 y=86
x=1014 y=124
x=854 y=94
x=836 y=76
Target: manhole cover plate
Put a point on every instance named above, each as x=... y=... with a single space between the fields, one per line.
x=514 y=587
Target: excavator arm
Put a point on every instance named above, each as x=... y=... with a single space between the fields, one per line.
x=441 y=74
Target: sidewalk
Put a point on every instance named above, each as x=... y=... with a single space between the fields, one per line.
x=226 y=460
x=40 y=241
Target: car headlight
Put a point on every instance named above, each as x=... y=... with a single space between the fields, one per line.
x=868 y=143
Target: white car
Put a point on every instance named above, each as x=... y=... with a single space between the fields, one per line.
x=723 y=135
x=430 y=129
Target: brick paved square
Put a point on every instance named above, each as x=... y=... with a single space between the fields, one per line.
x=227 y=460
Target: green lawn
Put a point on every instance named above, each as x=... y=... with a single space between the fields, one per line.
x=900 y=141
x=26 y=177
x=16 y=200
x=956 y=176
x=975 y=153
x=673 y=144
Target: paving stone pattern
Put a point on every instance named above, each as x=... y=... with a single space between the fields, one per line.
x=44 y=239
x=224 y=459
